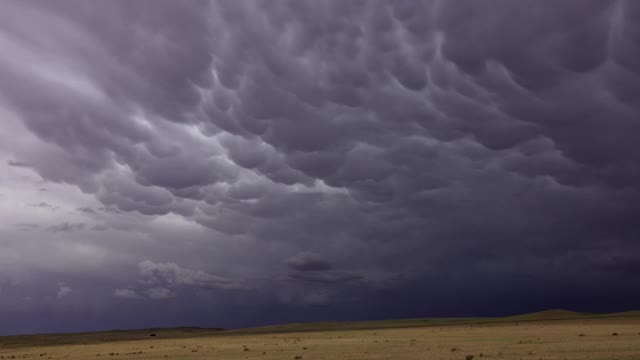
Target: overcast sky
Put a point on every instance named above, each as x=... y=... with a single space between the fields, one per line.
x=236 y=163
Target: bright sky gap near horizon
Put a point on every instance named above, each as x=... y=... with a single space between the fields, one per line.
x=236 y=163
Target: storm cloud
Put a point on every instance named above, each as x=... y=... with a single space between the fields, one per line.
x=288 y=160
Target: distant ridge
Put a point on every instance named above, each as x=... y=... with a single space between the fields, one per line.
x=106 y=336
x=545 y=315
x=194 y=332
x=548 y=315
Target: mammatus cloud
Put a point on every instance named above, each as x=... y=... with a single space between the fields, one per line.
x=354 y=157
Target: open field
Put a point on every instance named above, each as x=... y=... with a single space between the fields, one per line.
x=547 y=335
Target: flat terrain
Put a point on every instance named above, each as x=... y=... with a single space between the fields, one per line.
x=546 y=335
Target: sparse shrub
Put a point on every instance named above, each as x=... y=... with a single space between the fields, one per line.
x=152 y=334
x=297 y=357
x=454 y=349
x=469 y=357
x=481 y=355
x=581 y=335
x=615 y=334
x=246 y=349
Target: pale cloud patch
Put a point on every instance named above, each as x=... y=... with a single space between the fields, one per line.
x=126 y=294
x=173 y=274
x=159 y=293
x=63 y=291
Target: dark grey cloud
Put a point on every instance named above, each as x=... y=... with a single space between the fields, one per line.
x=308 y=261
x=327 y=276
x=28 y=227
x=86 y=210
x=351 y=157
x=99 y=227
x=44 y=205
x=67 y=227
x=18 y=164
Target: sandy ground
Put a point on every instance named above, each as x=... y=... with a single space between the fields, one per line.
x=568 y=339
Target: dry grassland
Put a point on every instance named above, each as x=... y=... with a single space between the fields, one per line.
x=535 y=338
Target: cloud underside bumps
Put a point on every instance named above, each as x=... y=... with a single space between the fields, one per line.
x=312 y=151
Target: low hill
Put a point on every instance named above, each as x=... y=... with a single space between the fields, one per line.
x=187 y=332
x=104 y=336
x=556 y=314
x=547 y=315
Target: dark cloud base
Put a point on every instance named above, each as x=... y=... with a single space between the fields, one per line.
x=279 y=161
